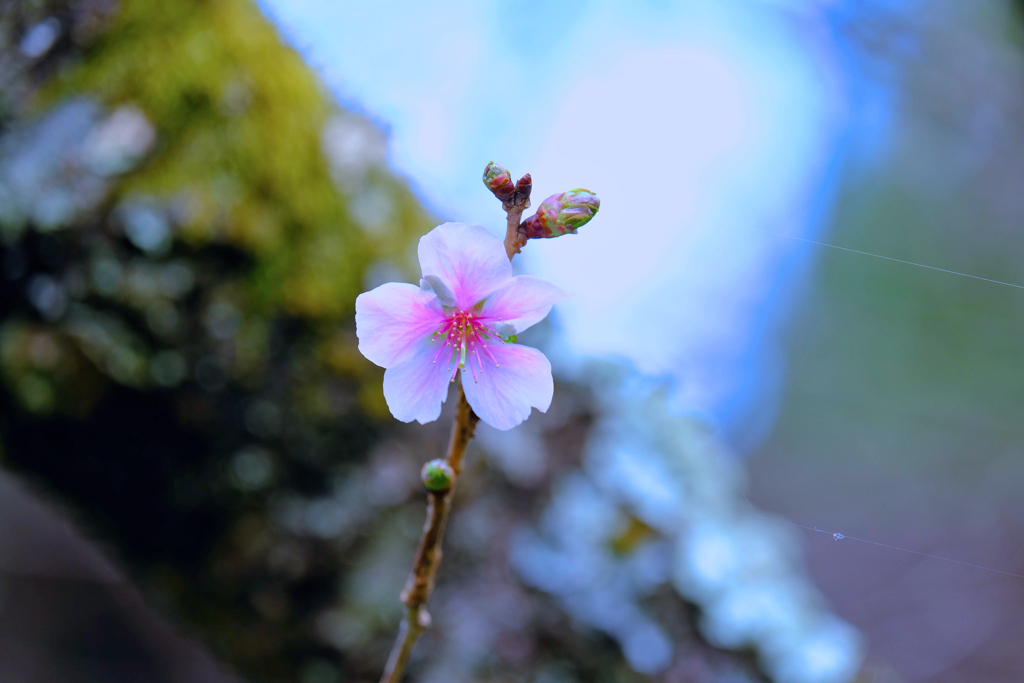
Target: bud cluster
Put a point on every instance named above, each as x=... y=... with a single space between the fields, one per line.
x=499 y=181
x=558 y=215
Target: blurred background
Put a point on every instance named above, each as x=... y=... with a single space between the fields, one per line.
x=199 y=477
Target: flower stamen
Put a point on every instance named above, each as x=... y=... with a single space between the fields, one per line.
x=464 y=336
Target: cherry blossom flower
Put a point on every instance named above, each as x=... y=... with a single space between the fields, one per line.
x=464 y=316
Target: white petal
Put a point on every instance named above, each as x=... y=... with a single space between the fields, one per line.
x=467 y=258
x=503 y=396
x=522 y=301
x=392 y=319
x=416 y=387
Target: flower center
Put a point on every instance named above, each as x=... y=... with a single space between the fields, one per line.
x=467 y=340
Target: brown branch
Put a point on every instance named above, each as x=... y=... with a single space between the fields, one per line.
x=428 y=554
x=416 y=621
x=515 y=236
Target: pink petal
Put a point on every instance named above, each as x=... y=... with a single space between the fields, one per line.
x=416 y=387
x=522 y=302
x=392 y=319
x=467 y=258
x=502 y=396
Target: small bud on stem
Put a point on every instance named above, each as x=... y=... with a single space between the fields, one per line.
x=437 y=476
x=523 y=189
x=499 y=181
x=562 y=213
x=514 y=199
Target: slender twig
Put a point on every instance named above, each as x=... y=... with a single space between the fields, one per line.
x=415 y=622
x=428 y=553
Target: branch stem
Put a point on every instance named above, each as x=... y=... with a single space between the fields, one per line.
x=515 y=238
x=428 y=554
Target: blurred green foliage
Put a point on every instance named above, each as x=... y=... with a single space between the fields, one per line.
x=240 y=120
x=241 y=129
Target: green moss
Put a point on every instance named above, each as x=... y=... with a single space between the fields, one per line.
x=239 y=118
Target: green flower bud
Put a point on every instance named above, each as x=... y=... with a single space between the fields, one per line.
x=562 y=213
x=499 y=181
x=437 y=476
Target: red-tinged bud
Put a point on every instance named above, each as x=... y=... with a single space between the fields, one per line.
x=562 y=213
x=523 y=189
x=437 y=476
x=499 y=181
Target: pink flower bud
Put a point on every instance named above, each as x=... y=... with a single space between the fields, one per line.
x=562 y=213
x=499 y=181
